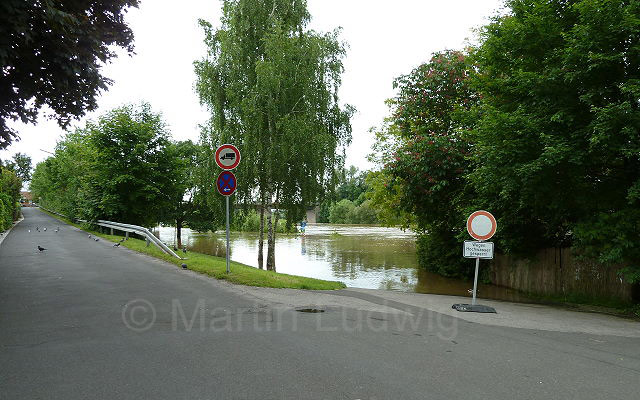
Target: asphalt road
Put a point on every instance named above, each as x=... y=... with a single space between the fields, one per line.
x=76 y=322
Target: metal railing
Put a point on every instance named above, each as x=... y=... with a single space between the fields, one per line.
x=150 y=237
x=139 y=230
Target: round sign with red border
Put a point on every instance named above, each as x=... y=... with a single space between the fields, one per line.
x=481 y=225
x=226 y=183
x=227 y=156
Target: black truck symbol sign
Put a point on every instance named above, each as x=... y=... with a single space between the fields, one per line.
x=228 y=156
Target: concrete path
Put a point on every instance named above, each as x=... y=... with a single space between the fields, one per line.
x=86 y=320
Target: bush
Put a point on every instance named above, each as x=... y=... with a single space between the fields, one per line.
x=7 y=211
x=441 y=253
x=364 y=214
x=2 y=217
x=342 y=212
x=244 y=221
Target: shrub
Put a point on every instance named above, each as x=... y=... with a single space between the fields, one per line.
x=2 y=217
x=342 y=212
x=8 y=210
x=249 y=221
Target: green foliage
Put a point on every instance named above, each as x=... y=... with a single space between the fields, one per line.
x=342 y=212
x=271 y=86
x=352 y=186
x=539 y=125
x=386 y=196
x=249 y=221
x=557 y=150
x=21 y=165
x=10 y=186
x=364 y=214
x=440 y=252
x=347 y=212
x=122 y=168
x=3 y=217
x=424 y=184
x=51 y=53
x=189 y=198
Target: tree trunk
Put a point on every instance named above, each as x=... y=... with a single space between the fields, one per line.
x=270 y=266
x=271 y=256
x=261 y=237
x=179 y=233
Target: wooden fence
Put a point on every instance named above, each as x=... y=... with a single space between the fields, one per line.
x=557 y=271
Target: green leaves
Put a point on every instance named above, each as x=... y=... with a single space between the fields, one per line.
x=271 y=86
x=51 y=53
x=539 y=125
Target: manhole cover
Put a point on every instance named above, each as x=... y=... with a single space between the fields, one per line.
x=309 y=310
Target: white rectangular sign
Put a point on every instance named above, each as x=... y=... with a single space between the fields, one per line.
x=473 y=249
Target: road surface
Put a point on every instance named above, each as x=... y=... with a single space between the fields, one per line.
x=85 y=320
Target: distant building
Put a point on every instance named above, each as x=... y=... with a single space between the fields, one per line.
x=26 y=199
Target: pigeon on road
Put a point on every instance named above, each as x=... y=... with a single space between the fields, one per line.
x=41 y=248
x=116 y=245
x=89 y=236
x=96 y=239
x=45 y=229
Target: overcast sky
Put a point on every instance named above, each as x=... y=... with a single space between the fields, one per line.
x=386 y=38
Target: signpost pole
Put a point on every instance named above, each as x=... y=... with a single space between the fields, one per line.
x=475 y=282
x=228 y=270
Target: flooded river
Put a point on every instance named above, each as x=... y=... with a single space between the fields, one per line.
x=369 y=257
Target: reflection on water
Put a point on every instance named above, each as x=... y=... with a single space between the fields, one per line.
x=360 y=256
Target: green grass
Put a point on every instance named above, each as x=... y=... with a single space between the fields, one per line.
x=216 y=266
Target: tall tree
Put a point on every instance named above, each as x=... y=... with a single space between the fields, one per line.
x=121 y=168
x=21 y=164
x=271 y=86
x=557 y=143
x=51 y=53
x=188 y=200
x=426 y=175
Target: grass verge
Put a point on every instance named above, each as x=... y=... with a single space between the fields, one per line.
x=216 y=266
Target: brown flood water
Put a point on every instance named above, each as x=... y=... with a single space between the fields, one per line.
x=361 y=256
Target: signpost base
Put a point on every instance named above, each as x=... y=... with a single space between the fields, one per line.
x=474 y=308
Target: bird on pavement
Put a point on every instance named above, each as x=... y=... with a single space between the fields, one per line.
x=41 y=248
x=38 y=228
x=89 y=236
x=45 y=229
x=57 y=229
x=96 y=239
x=116 y=245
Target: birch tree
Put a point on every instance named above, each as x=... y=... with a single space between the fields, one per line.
x=271 y=86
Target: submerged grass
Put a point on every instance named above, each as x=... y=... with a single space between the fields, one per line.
x=216 y=266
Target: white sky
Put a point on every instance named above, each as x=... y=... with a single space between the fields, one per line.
x=386 y=39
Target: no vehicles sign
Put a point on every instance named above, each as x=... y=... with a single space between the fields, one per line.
x=227 y=156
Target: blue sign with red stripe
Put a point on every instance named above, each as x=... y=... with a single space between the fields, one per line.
x=226 y=183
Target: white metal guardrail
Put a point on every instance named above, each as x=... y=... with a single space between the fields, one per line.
x=150 y=237
x=138 y=230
